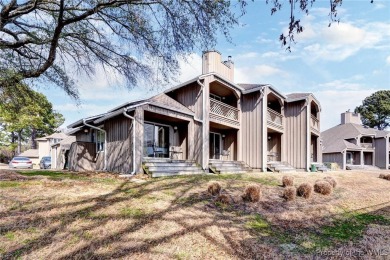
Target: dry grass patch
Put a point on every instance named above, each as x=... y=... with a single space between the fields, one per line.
x=223 y=198
x=289 y=193
x=287 y=181
x=252 y=193
x=331 y=181
x=323 y=187
x=305 y=190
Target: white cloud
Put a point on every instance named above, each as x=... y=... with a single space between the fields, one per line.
x=258 y=73
x=190 y=68
x=335 y=102
x=340 y=84
x=388 y=60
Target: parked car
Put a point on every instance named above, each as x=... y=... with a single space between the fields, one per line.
x=20 y=162
x=45 y=162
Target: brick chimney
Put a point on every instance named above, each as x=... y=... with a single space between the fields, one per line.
x=212 y=62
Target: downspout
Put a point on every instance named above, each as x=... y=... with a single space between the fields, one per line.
x=133 y=125
x=105 y=141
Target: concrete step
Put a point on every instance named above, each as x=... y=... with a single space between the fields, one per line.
x=218 y=166
x=175 y=173
x=232 y=172
x=170 y=164
x=173 y=168
x=164 y=160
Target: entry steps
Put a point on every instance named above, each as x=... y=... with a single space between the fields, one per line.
x=220 y=166
x=162 y=167
x=320 y=167
x=276 y=166
x=362 y=167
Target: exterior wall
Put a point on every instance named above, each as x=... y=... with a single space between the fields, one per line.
x=43 y=149
x=252 y=130
x=349 y=117
x=119 y=145
x=333 y=158
x=82 y=156
x=83 y=137
x=381 y=153
x=296 y=134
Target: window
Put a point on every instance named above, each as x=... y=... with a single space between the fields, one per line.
x=215 y=97
x=100 y=138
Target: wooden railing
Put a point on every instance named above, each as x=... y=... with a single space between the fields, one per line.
x=274 y=118
x=366 y=145
x=223 y=110
x=315 y=124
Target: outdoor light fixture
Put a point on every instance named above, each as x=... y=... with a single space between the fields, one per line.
x=223 y=136
x=86 y=130
x=175 y=128
x=269 y=138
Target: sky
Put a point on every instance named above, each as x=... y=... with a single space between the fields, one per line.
x=341 y=64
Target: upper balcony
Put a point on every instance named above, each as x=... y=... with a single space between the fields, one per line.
x=223 y=113
x=367 y=145
x=274 y=119
x=314 y=124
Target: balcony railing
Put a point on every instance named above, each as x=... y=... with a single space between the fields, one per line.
x=274 y=118
x=223 y=112
x=366 y=145
x=314 y=124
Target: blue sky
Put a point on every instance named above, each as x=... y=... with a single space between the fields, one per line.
x=341 y=64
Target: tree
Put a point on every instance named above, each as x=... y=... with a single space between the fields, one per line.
x=26 y=114
x=375 y=110
x=45 y=38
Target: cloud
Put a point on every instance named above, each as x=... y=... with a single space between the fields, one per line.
x=341 y=84
x=257 y=73
x=334 y=102
x=190 y=67
x=388 y=60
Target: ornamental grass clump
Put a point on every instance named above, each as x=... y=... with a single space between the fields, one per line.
x=382 y=175
x=223 y=198
x=289 y=193
x=214 y=188
x=331 y=181
x=305 y=190
x=287 y=181
x=323 y=187
x=252 y=193
x=387 y=177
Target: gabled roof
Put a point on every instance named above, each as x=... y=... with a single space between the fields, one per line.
x=53 y=136
x=66 y=143
x=334 y=139
x=30 y=153
x=297 y=96
x=88 y=119
x=160 y=100
x=246 y=86
x=382 y=133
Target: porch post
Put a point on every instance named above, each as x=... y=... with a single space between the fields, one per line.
x=264 y=142
x=206 y=123
x=344 y=159
x=361 y=158
x=139 y=140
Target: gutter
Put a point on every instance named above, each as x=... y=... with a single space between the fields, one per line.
x=133 y=125
x=203 y=114
x=105 y=141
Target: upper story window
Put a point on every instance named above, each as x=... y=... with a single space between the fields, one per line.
x=366 y=139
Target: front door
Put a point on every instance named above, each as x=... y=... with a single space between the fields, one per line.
x=215 y=145
x=349 y=158
x=156 y=140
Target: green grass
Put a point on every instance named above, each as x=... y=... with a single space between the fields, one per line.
x=132 y=213
x=9 y=184
x=259 y=225
x=10 y=235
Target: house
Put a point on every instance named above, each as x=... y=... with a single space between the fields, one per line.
x=45 y=145
x=60 y=151
x=352 y=145
x=207 y=123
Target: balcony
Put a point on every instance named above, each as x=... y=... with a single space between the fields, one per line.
x=367 y=145
x=315 y=125
x=223 y=113
x=274 y=119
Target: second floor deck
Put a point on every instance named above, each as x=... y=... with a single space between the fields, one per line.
x=224 y=114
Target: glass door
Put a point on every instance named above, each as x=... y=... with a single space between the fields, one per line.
x=215 y=145
x=156 y=140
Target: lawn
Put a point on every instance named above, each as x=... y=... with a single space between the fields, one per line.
x=61 y=215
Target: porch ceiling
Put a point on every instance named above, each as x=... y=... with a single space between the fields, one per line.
x=221 y=126
x=159 y=118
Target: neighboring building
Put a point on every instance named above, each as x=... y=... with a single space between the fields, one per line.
x=45 y=143
x=33 y=155
x=60 y=151
x=352 y=145
x=208 y=120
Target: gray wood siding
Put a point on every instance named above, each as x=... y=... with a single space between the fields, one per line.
x=296 y=134
x=119 y=144
x=251 y=129
x=381 y=153
x=82 y=156
x=333 y=158
x=190 y=96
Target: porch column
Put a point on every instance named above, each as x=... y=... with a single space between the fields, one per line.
x=206 y=123
x=344 y=160
x=361 y=158
x=139 y=138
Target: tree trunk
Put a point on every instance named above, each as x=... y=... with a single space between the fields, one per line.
x=33 y=137
x=19 y=142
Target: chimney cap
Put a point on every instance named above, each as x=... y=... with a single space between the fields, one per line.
x=229 y=58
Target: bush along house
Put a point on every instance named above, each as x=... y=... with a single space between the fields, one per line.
x=208 y=123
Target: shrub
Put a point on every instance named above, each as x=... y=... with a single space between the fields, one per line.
x=214 y=188
x=331 y=181
x=305 y=190
x=252 y=193
x=382 y=175
x=287 y=181
x=289 y=193
x=223 y=198
x=323 y=187
x=387 y=177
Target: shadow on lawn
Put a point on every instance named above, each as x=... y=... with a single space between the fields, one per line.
x=241 y=248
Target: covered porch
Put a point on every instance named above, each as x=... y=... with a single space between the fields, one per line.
x=223 y=142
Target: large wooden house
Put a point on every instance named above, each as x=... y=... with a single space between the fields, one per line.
x=206 y=123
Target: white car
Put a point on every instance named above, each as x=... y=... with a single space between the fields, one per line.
x=20 y=162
